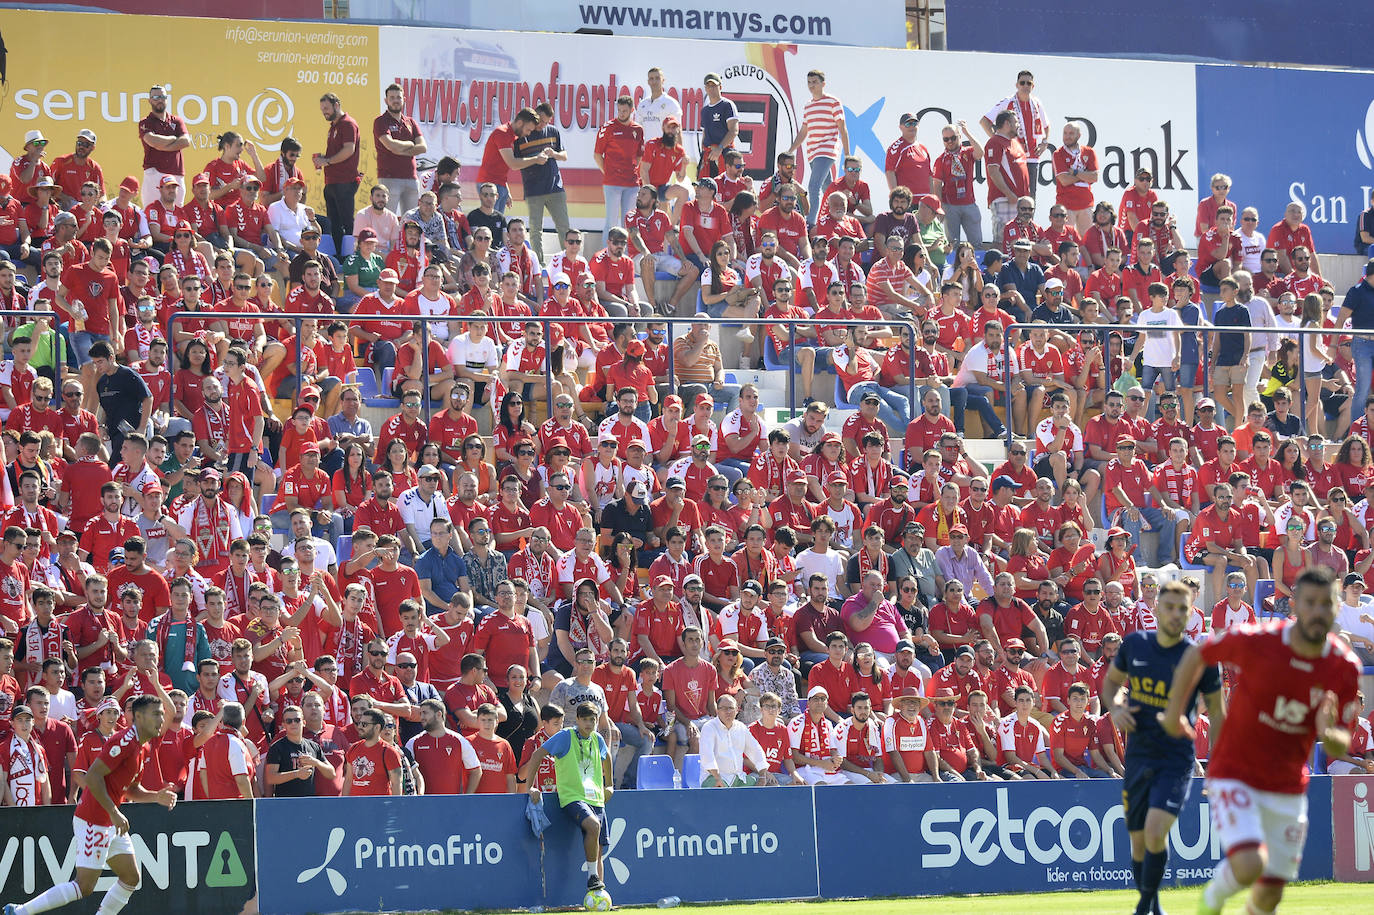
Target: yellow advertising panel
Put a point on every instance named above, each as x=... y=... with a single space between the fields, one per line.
x=69 y=71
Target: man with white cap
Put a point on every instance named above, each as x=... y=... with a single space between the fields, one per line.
x=29 y=168
x=814 y=750
x=70 y=172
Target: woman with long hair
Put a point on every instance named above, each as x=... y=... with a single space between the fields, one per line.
x=1315 y=358
x=185 y=259
x=621 y=559
x=1289 y=456
x=510 y=427
x=397 y=462
x=1072 y=562
x=1281 y=372
x=1351 y=535
x=964 y=270
x=522 y=709
x=1074 y=506
x=871 y=678
x=725 y=294
x=430 y=454
x=1290 y=558
x=523 y=469
x=1353 y=462
x=351 y=484
x=1027 y=564
x=189 y=380
x=475 y=462
x=744 y=225
x=730 y=677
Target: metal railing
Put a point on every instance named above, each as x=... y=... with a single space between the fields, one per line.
x=295 y=319
x=1207 y=331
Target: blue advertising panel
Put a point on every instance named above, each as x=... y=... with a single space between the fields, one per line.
x=987 y=837
x=1323 y=159
x=701 y=846
x=1233 y=30
x=395 y=854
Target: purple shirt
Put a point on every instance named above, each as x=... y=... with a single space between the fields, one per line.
x=885 y=630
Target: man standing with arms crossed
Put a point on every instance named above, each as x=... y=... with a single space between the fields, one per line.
x=399 y=142
x=1159 y=768
x=1259 y=799
x=163 y=136
x=101 y=828
x=340 y=164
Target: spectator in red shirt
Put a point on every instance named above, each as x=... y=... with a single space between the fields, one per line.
x=1073 y=740
x=372 y=766
x=618 y=149
x=494 y=754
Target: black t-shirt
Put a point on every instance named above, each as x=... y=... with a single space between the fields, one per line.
x=285 y=755
x=121 y=397
x=624 y=516
x=1288 y=427
x=520 y=723
x=496 y=222
x=544 y=178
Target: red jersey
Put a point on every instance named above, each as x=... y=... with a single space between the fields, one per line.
x=775 y=743
x=505 y=641
x=1276 y=712
x=444 y=760
x=1077 y=738
x=497 y=760
x=371 y=768
x=125 y=757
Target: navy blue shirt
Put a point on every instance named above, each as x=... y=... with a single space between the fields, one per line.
x=1231 y=348
x=715 y=121
x=1190 y=315
x=1027 y=283
x=1360 y=301
x=443 y=572
x=1149 y=671
x=545 y=178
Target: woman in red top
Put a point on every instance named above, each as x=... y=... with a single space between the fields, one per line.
x=1027 y=564
x=621 y=559
x=475 y=462
x=631 y=373
x=730 y=678
x=1351 y=535
x=723 y=293
x=1071 y=563
x=1352 y=461
x=510 y=428
x=1289 y=559
x=195 y=366
x=744 y=224
x=531 y=483
x=352 y=484
x=239 y=495
x=1117 y=563
x=397 y=461
x=187 y=260
x=1074 y=507
x=262 y=297
x=871 y=678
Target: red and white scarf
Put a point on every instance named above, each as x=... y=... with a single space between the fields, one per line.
x=25 y=772
x=163 y=626
x=41 y=644
x=211 y=532
x=349 y=657
x=583 y=634
x=866 y=564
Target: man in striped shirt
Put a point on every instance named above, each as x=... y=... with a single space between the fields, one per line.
x=822 y=125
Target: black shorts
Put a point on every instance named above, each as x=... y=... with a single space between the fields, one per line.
x=1153 y=785
x=1042 y=467
x=578 y=811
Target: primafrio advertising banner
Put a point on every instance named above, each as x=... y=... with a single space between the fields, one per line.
x=460 y=85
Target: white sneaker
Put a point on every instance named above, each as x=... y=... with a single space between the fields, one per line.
x=746 y=364
x=744 y=334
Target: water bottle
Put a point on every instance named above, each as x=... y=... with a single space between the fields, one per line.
x=669 y=902
x=677 y=782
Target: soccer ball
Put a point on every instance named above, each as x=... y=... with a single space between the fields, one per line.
x=597 y=901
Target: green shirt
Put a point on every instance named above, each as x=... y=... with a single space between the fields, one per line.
x=45 y=347
x=577 y=764
x=366 y=269
x=170 y=466
x=174 y=658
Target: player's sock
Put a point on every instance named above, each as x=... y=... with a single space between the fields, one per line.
x=116 y=898
x=1151 y=874
x=1135 y=871
x=1221 y=887
x=59 y=895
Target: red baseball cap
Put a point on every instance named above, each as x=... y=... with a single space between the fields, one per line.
x=310 y=391
x=931 y=201
x=130 y=184
x=837 y=477
x=959 y=529
x=672 y=400
x=202 y=178
x=797 y=476
x=637 y=443
x=702 y=398
x=829 y=437
x=168 y=180
x=635 y=348
x=309 y=447
x=663 y=581
x=945 y=692
x=295 y=182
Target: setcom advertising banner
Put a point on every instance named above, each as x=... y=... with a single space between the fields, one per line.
x=261 y=80
x=460 y=85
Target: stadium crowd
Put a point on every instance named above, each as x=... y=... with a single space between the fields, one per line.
x=201 y=511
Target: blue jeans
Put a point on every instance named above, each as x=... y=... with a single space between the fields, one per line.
x=822 y=168
x=632 y=746
x=1149 y=373
x=82 y=341
x=976 y=396
x=619 y=201
x=893 y=408
x=1159 y=522
x=502 y=198
x=1362 y=350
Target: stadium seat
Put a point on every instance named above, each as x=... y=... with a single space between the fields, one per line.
x=801 y=703
x=841 y=399
x=327 y=247
x=691 y=771
x=350 y=244
x=367 y=383
x=771 y=361
x=1183 y=562
x=267 y=501
x=661 y=277
x=1264 y=588
x=344 y=548
x=655 y=772
x=1318 y=764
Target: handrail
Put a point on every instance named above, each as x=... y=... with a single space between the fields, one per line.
x=911 y=323
x=1207 y=330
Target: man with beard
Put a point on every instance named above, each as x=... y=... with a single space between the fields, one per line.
x=340 y=164
x=619 y=686
x=398 y=142
x=211 y=523
x=163 y=136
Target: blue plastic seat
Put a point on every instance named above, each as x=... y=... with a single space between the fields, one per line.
x=1264 y=588
x=367 y=383
x=383 y=397
x=344 y=548
x=841 y=398
x=661 y=277
x=655 y=772
x=1183 y=562
x=350 y=244
x=771 y=360
x=691 y=771
x=267 y=501
x=327 y=246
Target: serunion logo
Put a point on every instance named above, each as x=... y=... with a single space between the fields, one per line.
x=268 y=118
x=619 y=869
x=336 y=880
x=1364 y=139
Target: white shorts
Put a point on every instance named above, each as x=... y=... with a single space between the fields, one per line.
x=815 y=775
x=664 y=262
x=1245 y=817
x=96 y=844
x=858 y=778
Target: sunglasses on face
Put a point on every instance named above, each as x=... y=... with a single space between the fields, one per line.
x=377 y=654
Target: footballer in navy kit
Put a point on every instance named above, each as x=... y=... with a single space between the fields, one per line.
x=1159 y=768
